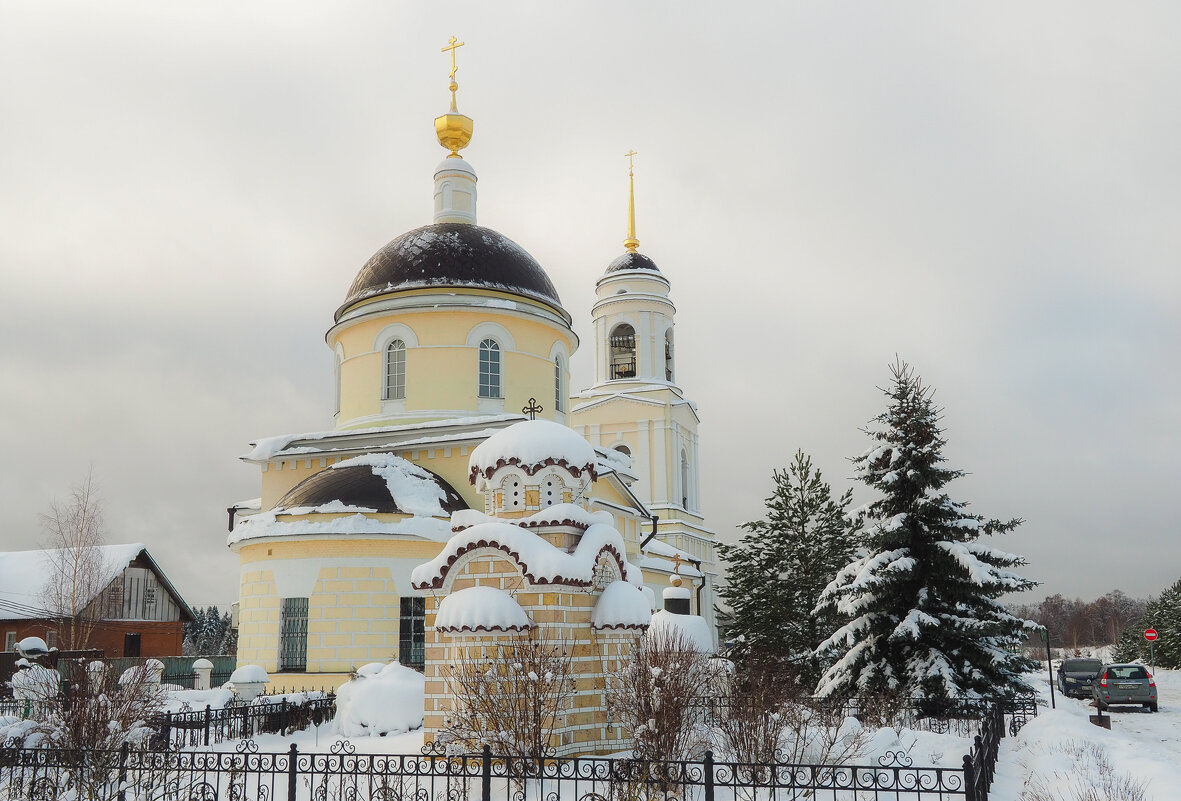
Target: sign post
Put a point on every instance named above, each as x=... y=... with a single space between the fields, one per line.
x=1150 y=635
x=1049 y=667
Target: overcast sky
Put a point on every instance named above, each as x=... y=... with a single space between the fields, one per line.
x=989 y=191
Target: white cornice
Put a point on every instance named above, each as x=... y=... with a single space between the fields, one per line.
x=411 y=301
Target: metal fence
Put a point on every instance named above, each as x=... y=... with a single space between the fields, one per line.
x=343 y=775
x=203 y=727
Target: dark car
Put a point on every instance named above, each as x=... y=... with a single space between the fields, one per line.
x=1075 y=676
x=1125 y=684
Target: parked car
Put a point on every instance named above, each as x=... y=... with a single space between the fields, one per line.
x=1075 y=676
x=1125 y=684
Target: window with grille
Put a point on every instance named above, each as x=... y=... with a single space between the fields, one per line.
x=395 y=370
x=489 y=369
x=10 y=641
x=412 y=633
x=559 y=400
x=293 y=634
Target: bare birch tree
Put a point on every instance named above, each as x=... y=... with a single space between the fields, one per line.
x=77 y=571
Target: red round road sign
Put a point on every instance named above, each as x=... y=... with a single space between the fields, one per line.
x=1150 y=634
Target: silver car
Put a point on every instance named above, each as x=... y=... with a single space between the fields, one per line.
x=1124 y=684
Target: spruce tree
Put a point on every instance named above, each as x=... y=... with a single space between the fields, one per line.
x=778 y=568
x=1164 y=615
x=920 y=609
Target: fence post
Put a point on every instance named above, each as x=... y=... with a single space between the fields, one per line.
x=207 y=724
x=122 y=771
x=167 y=729
x=486 y=775
x=969 y=779
x=283 y=716
x=709 y=776
x=292 y=773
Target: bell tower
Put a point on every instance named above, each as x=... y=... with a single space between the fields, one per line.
x=635 y=405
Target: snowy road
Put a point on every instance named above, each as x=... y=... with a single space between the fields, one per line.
x=1062 y=752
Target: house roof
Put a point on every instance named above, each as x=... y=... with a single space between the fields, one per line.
x=23 y=575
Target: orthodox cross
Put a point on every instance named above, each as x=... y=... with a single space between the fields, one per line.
x=532 y=409
x=630 y=165
x=452 y=44
x=677 y=563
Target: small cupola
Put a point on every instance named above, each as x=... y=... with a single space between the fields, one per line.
x=530 y=466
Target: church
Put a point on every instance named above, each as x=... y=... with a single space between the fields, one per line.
x=458 y=430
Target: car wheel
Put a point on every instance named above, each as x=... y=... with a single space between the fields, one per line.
x=1154 y=707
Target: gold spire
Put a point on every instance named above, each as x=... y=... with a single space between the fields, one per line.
x=453 y=129
x=631 y=243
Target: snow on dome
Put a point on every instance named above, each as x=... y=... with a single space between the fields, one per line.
x=202 y=664
x=532 y=444
x=693 y=629
x=248 y=674
x=621 y=606
x=377 y=703
x=481 y=609
x=414 y=489
x=32 y=646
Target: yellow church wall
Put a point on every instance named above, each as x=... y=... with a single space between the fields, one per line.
x=442 y=370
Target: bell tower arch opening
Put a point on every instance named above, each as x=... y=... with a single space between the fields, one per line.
x=622 y=352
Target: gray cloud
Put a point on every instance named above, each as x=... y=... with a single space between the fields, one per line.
x=185 y=195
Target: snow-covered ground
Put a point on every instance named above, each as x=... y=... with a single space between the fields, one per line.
x=1062 y=753
x=1059 y=756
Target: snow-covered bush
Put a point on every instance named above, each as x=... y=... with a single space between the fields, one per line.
x=659 y=696
x=380 y=699
x=97 y=712
x=511 y=700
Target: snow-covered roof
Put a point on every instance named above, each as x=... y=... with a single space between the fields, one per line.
x=531 y=445
x=267 y=524
x=540 y=561
x=379 y=436
x=400 y=486
x=694 y=629
x=481 y=609
x=23 y=576
x=560 y=514
x=621 y=606
x=351 y=491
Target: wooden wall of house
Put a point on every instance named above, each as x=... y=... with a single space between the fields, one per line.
x=138 y=595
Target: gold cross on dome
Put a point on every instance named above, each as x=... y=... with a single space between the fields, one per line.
x=677 y=563
x=630 y=165
x=452 y=44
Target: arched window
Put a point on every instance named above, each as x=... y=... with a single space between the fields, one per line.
x=395 y=370
x=622 y=356
x=684 y=480
x=490 y=369
x=559 y=386
x=668 y=355
x=626 y=451
x=336 y=368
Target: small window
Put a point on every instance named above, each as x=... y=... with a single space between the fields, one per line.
x=412 y=633
x=293 y=634
x=490 y=369
x=395 y=371
x=559 y=386
x=10 y=641
x=336 y=397
x=51 y=638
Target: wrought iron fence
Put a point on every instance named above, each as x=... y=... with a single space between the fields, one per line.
x=170 y=773
x=203 y=727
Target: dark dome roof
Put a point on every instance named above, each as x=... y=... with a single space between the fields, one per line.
x=632 y=261
x=453 y=255
x=359 y=485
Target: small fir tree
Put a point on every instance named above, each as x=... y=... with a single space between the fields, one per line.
x=921 y=613
x=1164 y=615
x=777 y=570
